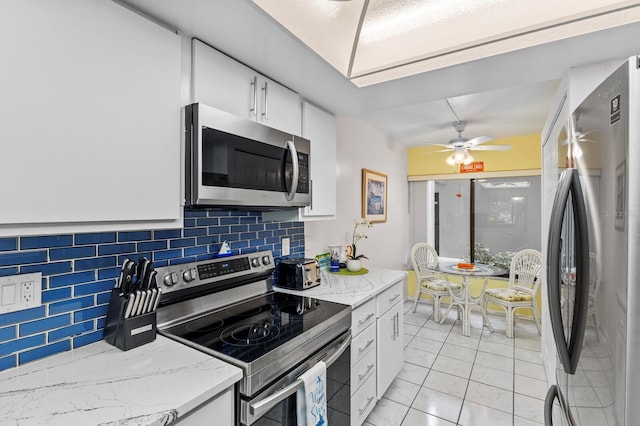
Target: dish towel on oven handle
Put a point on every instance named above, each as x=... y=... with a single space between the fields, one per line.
x=311 y=399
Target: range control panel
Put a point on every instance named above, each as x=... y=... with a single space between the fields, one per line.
x=190 y=275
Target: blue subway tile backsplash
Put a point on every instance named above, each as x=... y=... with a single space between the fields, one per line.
x=7 y=244
x=79 y=271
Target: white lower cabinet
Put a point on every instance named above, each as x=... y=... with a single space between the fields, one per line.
x=363 y=401
x=218 y=411
x=389 y=336
x=376 y=349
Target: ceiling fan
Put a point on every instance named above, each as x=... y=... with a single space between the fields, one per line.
x=461 y=146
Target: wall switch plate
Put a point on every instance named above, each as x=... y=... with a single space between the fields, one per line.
x=18 y=292
x=286 y=246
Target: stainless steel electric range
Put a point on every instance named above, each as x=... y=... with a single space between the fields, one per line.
x=226 y=307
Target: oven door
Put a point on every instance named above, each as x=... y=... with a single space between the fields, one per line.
x=234 y=161
x=276 y=405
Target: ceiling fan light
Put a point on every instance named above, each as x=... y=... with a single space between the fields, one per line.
x=468 y=159
x=577 y=151
x=459 y=156
x=451 y=160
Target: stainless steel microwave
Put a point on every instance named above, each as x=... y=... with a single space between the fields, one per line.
x=236 y=162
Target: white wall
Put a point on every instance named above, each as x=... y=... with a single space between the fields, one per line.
x=362 y=146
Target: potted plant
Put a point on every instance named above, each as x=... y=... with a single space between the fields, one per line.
x=354 y=263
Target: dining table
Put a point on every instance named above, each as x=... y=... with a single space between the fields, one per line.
x=464 y=299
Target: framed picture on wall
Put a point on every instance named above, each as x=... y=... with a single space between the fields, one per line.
x=374 y=196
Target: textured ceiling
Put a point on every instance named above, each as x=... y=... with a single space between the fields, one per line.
x=371 y=41
x=501 y=95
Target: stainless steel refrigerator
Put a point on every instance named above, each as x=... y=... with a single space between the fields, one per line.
x=593 y=258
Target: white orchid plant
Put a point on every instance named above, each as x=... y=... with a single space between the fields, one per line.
x=357 y=236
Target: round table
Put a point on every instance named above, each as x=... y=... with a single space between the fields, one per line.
x=466 y=301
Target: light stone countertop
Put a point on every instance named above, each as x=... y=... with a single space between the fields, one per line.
x=352 y=290
x=99 y=384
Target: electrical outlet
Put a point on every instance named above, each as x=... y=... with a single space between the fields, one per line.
x=27 y=291
x=20 y=292
x=286 y=246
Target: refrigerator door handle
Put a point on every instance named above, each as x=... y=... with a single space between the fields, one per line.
x=552 y=395
x=568 y=350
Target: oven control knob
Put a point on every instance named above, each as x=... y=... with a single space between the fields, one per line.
x=189 y=275
x=266 y=260
x=255 y=262
x=170 y=279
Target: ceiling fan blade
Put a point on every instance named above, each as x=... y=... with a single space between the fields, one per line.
x=477 y=141
x=439 y=150
x=439 y=144
x=490 y=148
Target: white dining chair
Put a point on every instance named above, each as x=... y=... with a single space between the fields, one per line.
x=522 y=292
x=428 y=281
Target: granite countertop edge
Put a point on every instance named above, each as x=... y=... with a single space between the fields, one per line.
x=98 y=384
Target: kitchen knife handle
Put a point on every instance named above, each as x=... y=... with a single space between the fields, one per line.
x=152 y=300
x=157 y=301
x=143 y=300
x=136 y=302
x=129 y=307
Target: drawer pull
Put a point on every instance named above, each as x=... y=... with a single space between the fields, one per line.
x=361 y=375
x=391 y=299
x=363 y=409
x=366 y=346
x=365 y=319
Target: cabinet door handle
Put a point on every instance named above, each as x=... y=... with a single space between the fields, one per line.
x=366 y=346
x=265 y=114
x=391 y=299
x=363 y=409
x=365 y=319
x=361 y=375
x=395 y=324
x=254 y=83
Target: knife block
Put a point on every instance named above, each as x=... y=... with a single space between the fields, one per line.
x=131 y=332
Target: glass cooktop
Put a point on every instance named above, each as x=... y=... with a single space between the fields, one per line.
x=252 y=328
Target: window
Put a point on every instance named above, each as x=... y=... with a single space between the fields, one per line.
x=496 y=216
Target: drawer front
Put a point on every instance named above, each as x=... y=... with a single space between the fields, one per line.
x=363 y=316
x=362 y=370
x=363 y=401
x=363 y=343
x=388 y=298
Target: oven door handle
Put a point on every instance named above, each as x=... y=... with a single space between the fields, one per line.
x=264 y=405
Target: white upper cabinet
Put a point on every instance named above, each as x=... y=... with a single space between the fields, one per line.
x=90 y=112
x=320 y=128
x=221 y=82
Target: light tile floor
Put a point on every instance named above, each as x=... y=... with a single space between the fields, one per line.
x=450 y=379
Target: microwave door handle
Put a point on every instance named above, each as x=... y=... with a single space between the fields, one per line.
x=296 y=171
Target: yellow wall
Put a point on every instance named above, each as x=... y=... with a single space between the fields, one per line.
x=525 y=154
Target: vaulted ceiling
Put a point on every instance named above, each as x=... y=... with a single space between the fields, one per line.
x=400 y=64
